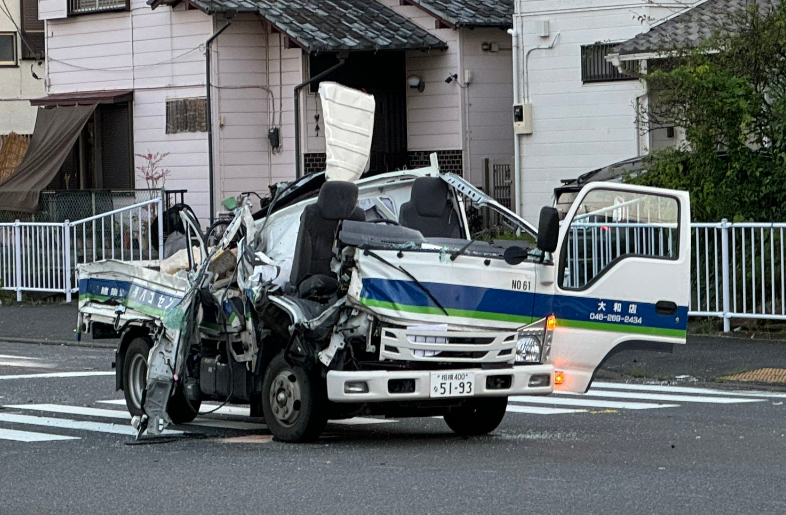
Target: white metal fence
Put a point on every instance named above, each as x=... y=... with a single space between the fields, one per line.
x=42 y=257
x=738 y=271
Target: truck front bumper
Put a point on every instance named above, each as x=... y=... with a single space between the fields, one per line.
x=349 y=386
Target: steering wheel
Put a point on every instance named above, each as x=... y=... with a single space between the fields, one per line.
x=384 y=221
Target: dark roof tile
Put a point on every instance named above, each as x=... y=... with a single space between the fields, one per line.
x=689 y=28
x=470 y=13
x=333 y=25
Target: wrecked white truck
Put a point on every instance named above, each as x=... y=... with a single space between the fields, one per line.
x=405 y=294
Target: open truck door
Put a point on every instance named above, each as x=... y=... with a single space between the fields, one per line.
x=621 y=278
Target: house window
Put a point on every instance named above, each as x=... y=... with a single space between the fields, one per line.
x=186 y=115
x=97 y=6
x=8 y=49
x=595 y=68
x=32 y=31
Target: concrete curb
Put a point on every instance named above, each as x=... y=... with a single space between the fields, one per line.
x=66 y=343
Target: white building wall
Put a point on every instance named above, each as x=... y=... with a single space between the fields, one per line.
x=160 y=55
x=489 y=99
x=254 y=93
x=577 y=127
x=155 y=53
x=17 y=84
x=435 y=116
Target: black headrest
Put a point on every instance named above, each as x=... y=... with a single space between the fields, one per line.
x=337 y=199
x=430 y=196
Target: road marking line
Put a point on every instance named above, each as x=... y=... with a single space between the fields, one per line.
x=589 y=403
x=683 y=389
x=357 y=421
x=98 y=427
x=14 y=356
x=667 y=397
x=57 y=375
x=538 y=410
x=24 y=364
x=32 y=436
x=124 y=415
x=242 y=411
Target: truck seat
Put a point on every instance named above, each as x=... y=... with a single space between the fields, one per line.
x=337 y=201
x=429 y=210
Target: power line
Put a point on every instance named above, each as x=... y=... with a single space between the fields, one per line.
x=121 y=68
x=7 y=12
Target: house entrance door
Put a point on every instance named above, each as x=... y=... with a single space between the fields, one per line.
x=383 y=75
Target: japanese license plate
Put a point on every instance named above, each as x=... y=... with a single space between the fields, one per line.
x=452 y=384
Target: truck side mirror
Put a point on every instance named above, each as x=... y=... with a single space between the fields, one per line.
x=548 y=229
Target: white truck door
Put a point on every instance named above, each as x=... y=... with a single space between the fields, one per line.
x=622 y=277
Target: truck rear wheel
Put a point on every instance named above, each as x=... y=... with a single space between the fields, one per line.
x=135 y=373
x=135 y=381
x=293 y=402
x=477 y=416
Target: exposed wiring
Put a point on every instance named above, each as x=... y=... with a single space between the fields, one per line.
x=120 y=68
x=526 y=63
x=7 y=12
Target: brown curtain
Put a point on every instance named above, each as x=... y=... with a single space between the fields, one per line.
x=56 y=131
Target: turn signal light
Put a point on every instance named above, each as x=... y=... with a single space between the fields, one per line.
x=559 y=377
x=551 y=322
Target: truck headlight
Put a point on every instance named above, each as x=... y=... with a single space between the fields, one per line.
x=528 y=349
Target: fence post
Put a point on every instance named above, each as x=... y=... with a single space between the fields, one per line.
x=18 y=260
x=725 y=273
x=67 y=259
x=160 y=228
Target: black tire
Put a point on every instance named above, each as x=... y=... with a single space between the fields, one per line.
x=294 y=402
x=180 y=409
x=477 y=416
x=135 y=379
x=134 y=369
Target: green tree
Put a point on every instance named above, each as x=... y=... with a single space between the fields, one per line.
x=729 y=94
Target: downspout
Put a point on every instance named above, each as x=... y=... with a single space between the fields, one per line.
x=209 y=120
x=300 y=86
x=516 y=137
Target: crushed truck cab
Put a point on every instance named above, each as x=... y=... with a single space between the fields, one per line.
x=410 y=293
x=368 y=310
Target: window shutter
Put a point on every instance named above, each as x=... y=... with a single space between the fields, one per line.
x=186 y=115
x=30 y=19
x=32 y=31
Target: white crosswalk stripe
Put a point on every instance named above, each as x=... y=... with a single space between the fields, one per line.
x=589 y=403
x=64 y=423
x=693 y=390
x=602 y=395
x=55 y=375
x=539 y=410
x=124 y=415
x=123 y=426
x=620 y=396
x=32 y=436
x=12 y=360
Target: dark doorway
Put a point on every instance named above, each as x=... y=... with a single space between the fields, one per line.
x=381 y=74
x=102 y=157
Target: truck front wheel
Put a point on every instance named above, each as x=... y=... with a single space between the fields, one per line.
x=293 y=402
x=477 y=416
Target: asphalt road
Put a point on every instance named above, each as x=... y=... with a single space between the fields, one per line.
x=682 y=450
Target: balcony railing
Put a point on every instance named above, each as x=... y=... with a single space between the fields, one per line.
x=96 y=6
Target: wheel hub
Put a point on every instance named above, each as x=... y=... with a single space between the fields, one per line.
x=285 y=398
